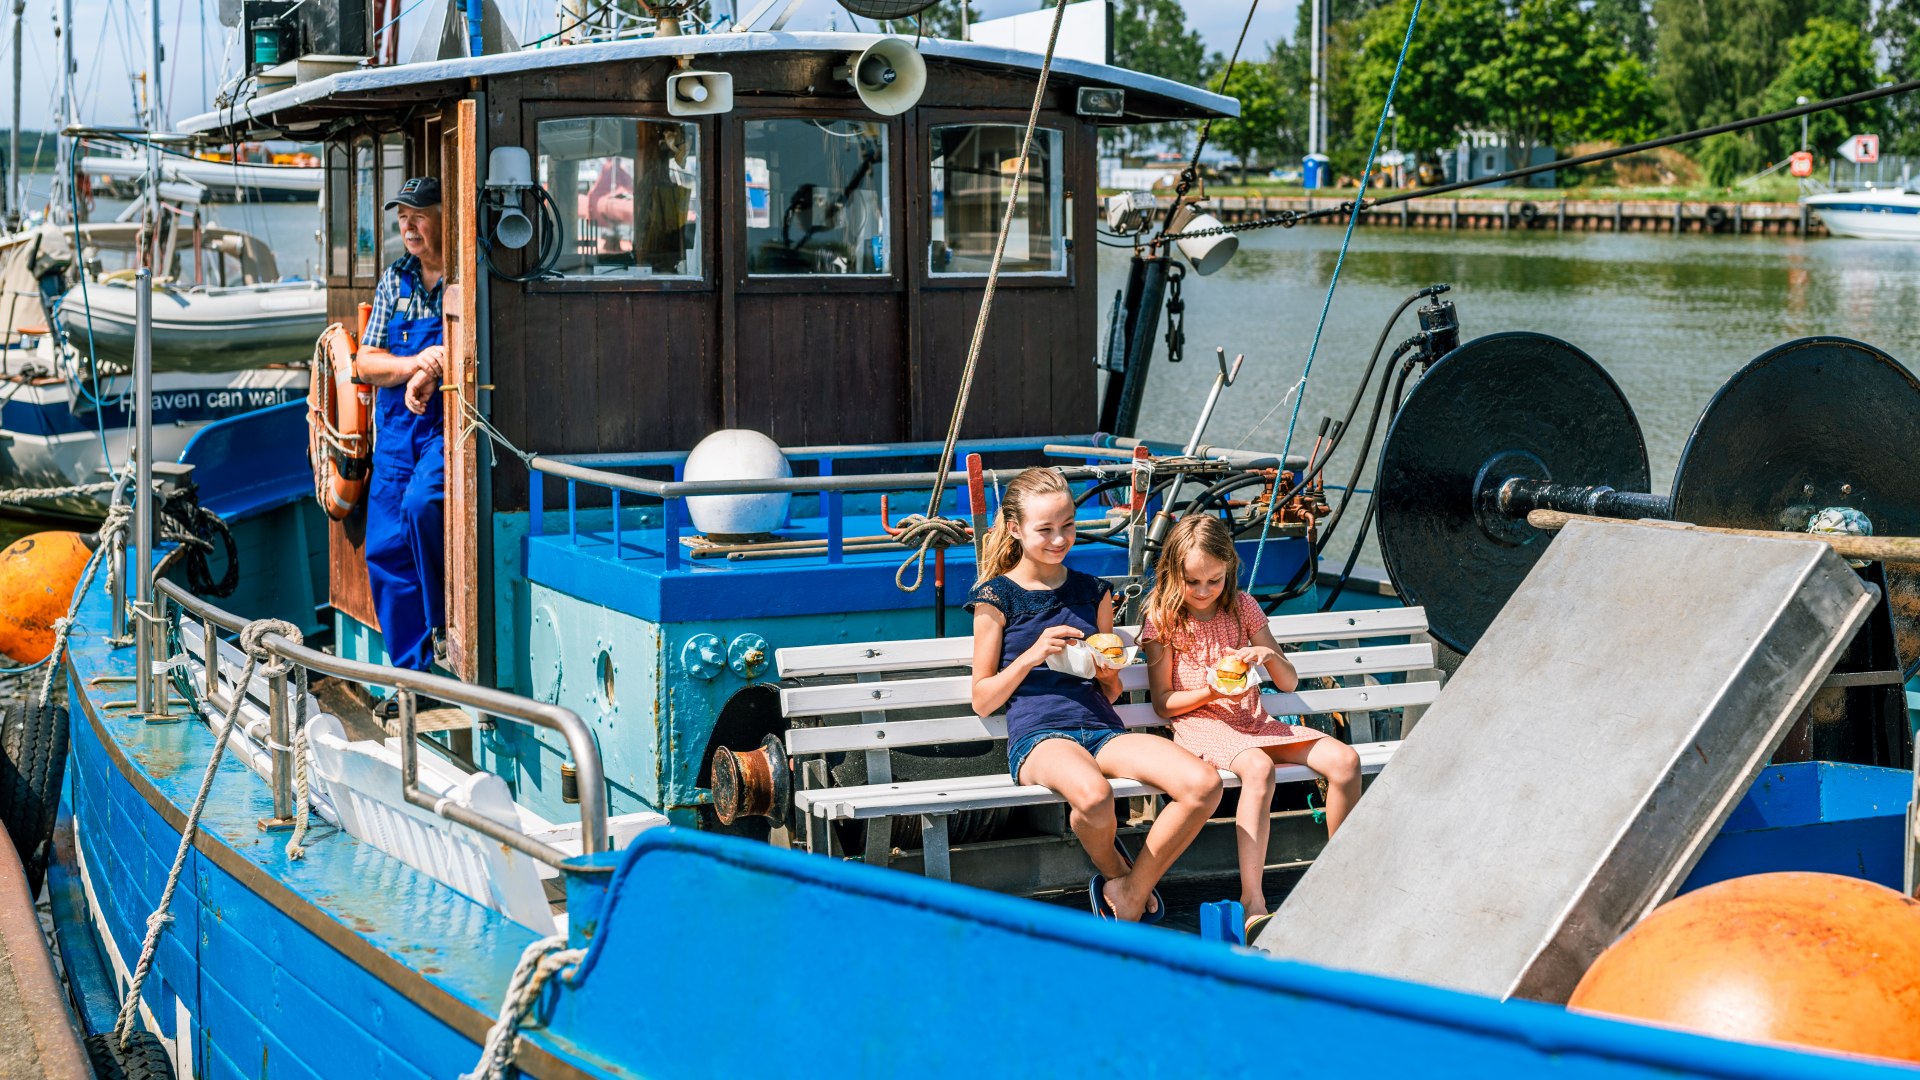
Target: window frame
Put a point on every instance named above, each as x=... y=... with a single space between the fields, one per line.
x=1076 y=138
x=1018 y=126
x=901 y=149
x=709 y=155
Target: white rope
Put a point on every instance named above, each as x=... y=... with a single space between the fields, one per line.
x=918 y=558
x=538 y=964
x=21 y=496
x=258 y=658
x=112 y=532
x=303 y=801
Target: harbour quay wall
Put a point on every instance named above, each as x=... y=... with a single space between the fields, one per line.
x=1581 y=215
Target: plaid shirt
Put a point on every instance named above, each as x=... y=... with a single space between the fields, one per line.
x=422 y=304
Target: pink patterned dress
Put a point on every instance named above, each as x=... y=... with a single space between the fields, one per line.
x=1219 y=730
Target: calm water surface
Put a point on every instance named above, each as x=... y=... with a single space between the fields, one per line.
x=1672 y=318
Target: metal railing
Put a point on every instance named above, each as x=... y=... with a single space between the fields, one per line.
x=408 y=685
x=593 y=470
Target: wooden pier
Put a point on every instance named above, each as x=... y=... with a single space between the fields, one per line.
x=37 y=1040
x=1560 y=215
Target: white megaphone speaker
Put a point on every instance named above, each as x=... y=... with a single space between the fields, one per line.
x=699 y=93
x=889 y=76
x=509 y=173
x=1204 y=253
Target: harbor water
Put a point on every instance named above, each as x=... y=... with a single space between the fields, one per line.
x=1671 y=317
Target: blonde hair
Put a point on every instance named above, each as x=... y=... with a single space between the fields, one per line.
x=1003 y=547
x=1166 y=606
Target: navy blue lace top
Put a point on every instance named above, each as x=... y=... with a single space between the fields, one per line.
x=1049 y=700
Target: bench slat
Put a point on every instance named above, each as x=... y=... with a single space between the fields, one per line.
x=958 y=689
x=992 y=792
x=920 y=654
x=839 y=738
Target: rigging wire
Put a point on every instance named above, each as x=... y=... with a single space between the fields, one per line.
x=1192 y=171
x=1313 y=348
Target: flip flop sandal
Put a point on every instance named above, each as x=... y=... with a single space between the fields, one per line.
x=1257 y=924
x=1157 y=907
x=1097 y=899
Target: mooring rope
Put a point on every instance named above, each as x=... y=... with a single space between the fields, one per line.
x=259 y=659
x=302 y=783
x=986 y=305
x=1313 y=348
x=116 y=524
x=538 y=964
x=929 y=534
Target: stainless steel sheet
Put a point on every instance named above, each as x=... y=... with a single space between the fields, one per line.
x=1578 y=762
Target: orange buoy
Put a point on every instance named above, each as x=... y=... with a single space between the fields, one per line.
x=37 y=576
x=1816 y=960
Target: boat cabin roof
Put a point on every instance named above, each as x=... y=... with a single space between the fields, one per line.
x=310 y=108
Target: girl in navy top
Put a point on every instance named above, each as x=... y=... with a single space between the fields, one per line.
x=1062 y=731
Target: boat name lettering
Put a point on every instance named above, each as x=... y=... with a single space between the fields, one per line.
x=218 y=399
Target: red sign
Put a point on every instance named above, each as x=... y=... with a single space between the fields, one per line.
x=1801 y=163
x=1861 y=149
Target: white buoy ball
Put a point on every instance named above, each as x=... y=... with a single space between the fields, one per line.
x=737 y=454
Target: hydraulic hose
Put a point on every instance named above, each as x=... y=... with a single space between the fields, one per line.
x=1360 y=537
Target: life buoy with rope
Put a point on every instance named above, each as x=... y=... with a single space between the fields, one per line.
x=339 y=436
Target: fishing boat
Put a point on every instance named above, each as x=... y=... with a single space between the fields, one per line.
x=215 y=181
x=232 y=338
x=681 y=633
x=1890 y=213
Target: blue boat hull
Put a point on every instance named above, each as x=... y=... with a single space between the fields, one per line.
x=706 y=956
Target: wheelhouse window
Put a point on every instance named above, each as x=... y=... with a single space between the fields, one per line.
x=393 y=173
x=816 y=198
x=628 y=192
x=974 y=166
x=339 y=202
x=366 y=208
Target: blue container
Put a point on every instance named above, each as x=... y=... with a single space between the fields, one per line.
x=1817 y=816
x=1316 y=171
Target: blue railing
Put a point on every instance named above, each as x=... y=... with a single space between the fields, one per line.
x=830 y=486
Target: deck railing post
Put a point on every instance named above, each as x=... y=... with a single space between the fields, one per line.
x=536 y=503
x=830 y=502
x=280 y=743
x=670 y=527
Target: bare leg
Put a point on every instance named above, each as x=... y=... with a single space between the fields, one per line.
x=1065 y=766
x=1252 y=824
x=1193 y=791
x=1336 y=761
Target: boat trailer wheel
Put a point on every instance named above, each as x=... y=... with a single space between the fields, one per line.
x=1516 y=422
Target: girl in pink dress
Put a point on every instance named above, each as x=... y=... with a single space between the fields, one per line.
x=1195 y=615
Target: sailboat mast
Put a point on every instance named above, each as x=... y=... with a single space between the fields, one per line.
x=156 y=103
x=16 y=190
x=60 y=197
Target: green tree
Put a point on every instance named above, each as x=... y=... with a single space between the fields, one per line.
x=1627 y=25
x=1152 y=37
x=1828 y=59
x=1626 y=110
x=1896 y=31
x=1717 y=58
x=1257 y=133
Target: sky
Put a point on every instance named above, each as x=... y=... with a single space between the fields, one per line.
x=113 y=35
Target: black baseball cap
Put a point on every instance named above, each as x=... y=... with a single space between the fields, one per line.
x=418 y=192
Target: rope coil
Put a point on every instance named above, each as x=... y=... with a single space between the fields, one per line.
x=928 y=534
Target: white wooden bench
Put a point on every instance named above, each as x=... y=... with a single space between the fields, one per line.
x=891 y=678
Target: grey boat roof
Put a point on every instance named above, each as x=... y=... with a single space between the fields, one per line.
x=1149 y=98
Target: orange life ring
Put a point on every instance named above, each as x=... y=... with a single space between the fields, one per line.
x=339 y=443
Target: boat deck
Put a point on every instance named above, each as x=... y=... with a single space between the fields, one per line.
x=37 y=1039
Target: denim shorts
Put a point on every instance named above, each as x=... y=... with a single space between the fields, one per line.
x=1091 y=738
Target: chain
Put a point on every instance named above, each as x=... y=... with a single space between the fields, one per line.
x=1285 y=219
x=1176 y=314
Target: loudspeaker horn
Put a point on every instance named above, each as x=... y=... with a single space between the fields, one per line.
x=889 y=76
x=699 y=93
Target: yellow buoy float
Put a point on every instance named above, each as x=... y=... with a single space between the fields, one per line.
x=37 y=577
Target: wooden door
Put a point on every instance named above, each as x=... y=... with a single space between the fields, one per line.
x=459 y=185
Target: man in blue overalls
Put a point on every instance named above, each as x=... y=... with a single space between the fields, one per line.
x=403 y=355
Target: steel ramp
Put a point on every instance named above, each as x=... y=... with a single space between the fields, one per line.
x=1579 y=761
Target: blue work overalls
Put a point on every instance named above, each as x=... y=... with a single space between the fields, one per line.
x=406 y=503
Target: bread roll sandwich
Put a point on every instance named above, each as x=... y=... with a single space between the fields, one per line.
x=1230 y=674
x=1109 y=646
